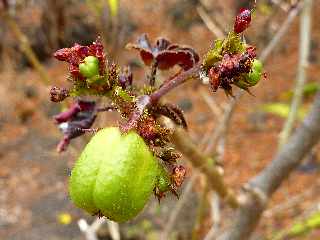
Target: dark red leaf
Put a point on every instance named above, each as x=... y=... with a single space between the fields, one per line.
x=165 y=54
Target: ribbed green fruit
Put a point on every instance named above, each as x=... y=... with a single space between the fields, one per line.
x=115 y=175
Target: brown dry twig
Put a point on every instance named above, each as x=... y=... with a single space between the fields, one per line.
x=24 y=45
x=205 y=165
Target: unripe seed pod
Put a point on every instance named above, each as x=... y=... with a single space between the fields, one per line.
x=90 y=67
x=115 y=175
x=256 y=73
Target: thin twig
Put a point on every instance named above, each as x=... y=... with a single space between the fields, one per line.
x=153 y=73
x=281 y=32
x=223 y=126
x=305 y=34
x=178 y=207
x=215 y=209
x=90 y=231
x=283 y=6
x=204 y=164
x=25 y=46
x=211 y=25
x=260 y=188
x=174 y=82
x=200 y=211
x=212 y=104
x=292 y=201
x=114 y=230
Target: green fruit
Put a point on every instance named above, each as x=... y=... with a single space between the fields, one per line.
x=255 y=75
x=90 y=67
x=115 y=175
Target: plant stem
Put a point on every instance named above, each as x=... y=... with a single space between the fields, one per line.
x=204 y=164
x=25 y=46
x=153 y=73
x=305 y=33
x=178 y=207
x=174 y=82
x=201 y=212
x=261 y=187
x=281 y=32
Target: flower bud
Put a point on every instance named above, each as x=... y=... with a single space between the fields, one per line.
x=243 y=20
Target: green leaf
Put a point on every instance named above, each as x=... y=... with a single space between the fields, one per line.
x=282 y=110
x=314 y=221
x=114 y=7
x=298 y=229
x=214 y=55
x=309 y=90
x=231 y=44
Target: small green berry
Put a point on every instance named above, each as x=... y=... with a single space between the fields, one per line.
x=90 y=67
x=255 y=75
x=115 y=175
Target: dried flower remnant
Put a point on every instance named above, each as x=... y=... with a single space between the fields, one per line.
x=230 y=62
x=76 y=55
x=178 y=175
x=74 y=121
x=126 y=78
x=230 y=70
x=58 y=94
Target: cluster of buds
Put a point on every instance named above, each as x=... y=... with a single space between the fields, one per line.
x=232 y=61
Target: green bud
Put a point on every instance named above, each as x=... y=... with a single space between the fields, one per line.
x=256 y=73
x=90 y=67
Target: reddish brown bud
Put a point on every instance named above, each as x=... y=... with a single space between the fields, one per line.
x=178 y=175
x=243 y=20
x=58 y=94
x=62 y=54
x=214 y=79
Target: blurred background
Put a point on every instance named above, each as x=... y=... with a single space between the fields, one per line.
x=34 y=200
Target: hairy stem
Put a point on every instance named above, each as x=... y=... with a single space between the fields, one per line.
x=174 y=82
x=153 y=73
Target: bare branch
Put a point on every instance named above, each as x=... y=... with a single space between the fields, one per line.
x=175 y=212
x=282 y=31
x=223 y=125
x=266 y=183
x=24 y=45
x=211 y=25
x=204 y=164
x=305 y=35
